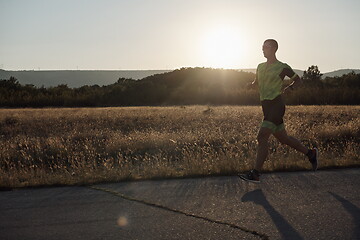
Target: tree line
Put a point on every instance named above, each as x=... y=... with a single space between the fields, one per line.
x=183 y=86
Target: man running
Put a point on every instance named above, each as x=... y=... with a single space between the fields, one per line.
x=270 y=76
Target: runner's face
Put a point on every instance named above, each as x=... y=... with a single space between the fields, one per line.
x=267 y=49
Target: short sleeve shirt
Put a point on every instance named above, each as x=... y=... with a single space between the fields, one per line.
x=270 y=78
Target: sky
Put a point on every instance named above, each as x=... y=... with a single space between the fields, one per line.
x=171 y=34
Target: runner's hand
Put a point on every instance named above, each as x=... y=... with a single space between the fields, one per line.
x=288 y=89
x=250 y=85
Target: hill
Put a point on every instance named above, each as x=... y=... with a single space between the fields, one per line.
x=75 y=78
x=79 y=78
x=339 y=73
x=185 y=86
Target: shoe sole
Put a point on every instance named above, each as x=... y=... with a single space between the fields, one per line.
x=247 y=180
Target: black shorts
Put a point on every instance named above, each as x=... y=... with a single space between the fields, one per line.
x=274 y=110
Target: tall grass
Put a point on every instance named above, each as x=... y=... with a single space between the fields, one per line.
x=88 y=145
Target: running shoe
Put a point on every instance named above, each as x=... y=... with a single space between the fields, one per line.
x=252 y=176
x=313 y=158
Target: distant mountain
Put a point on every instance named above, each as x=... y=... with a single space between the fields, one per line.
x=79 y=78
x=339 y=73
x=75 y=78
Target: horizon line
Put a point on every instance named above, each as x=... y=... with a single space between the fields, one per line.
x=79 y=70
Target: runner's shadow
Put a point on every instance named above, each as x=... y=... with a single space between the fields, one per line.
x=354 y=212
x=283 y=226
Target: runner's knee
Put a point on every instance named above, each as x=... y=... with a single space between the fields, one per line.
x=262 y=137
x=283 y=139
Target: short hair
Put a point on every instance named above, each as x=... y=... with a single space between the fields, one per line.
x=273 y=43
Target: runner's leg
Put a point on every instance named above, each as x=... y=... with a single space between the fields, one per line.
x=284 y=138
x=262 y=151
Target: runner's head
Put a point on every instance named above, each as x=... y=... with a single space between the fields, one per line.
x=269 y=47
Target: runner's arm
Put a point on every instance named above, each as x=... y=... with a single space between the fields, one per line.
x=296 y=80
x=253 y=83
x=295 y=83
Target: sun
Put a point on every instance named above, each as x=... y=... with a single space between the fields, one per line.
x=223 y=47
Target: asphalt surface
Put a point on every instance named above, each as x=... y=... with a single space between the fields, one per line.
x=298 y=205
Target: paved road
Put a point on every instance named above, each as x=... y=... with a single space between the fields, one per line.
x=299 y=205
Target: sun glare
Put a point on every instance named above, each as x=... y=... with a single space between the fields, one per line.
x=223 y=48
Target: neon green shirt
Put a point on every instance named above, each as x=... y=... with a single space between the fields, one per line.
x=270 y=78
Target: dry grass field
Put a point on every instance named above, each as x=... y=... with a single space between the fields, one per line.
x=88 y=145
